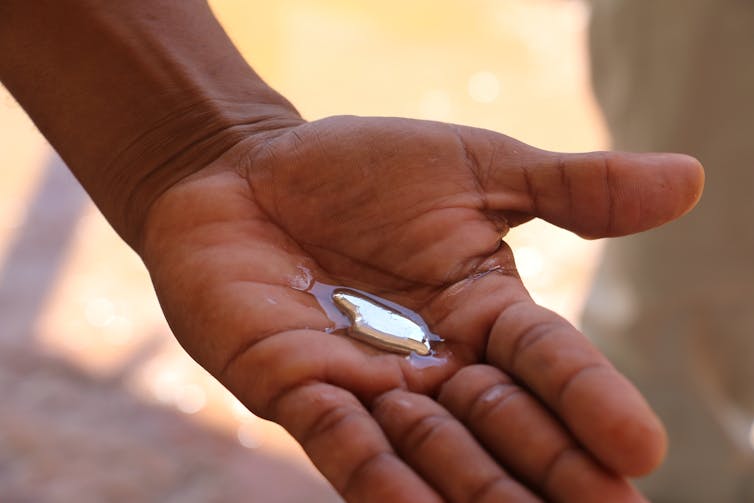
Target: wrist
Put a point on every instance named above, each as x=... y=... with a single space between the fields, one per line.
x=192 y=138
x=134 y=95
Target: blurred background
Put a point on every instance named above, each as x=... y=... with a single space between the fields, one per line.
x=97 y=400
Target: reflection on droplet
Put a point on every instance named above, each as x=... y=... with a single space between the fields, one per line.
x=484 y=87
x=190 y=398
x=529 y=261
x=98 y=312
x=435 y=104
x=423 y=362
x=248 y=436
x=751 y=435
x=302 y=279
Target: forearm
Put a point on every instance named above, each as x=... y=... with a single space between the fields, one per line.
x=134 y=95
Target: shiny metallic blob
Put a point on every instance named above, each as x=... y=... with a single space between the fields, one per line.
x=380 y=325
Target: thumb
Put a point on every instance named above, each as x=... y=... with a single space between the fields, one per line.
x=597 y=194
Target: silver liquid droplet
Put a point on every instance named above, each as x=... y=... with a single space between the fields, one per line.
x=379 y=325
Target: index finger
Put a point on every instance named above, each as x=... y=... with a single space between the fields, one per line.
x=600 y=407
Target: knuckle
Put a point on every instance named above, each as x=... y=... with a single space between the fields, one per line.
x=468 y=381
x=499 y=488
x=423 y=430
x=555 y=464
x=492 y=399
x=577 y=374
x=331 y=418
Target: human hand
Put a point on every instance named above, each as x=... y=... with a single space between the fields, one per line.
x=413 y=211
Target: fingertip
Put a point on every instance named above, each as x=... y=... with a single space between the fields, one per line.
x=694 y=177
x=644 y=446
x=651 y=189
x=683 y=172
x=618 y=427
x=653 y=439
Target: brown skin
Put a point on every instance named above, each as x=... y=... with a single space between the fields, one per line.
x=228 y=196
x=410 y=210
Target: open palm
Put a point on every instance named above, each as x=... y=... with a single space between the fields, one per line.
x=517 y=406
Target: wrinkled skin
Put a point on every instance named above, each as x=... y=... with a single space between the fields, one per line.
x=523 y=407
